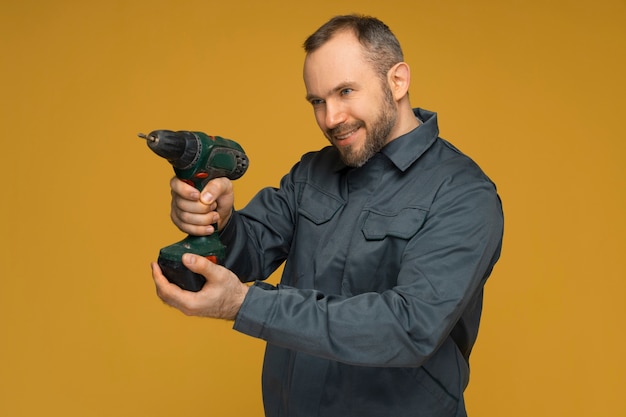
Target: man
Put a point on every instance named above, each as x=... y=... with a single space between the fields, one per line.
x=388 y=237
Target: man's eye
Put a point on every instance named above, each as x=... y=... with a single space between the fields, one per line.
x=346 y=91
x=317 y=101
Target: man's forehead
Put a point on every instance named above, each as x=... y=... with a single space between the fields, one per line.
x=338 y=63
x=340 y=53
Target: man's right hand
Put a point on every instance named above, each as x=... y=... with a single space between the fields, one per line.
x=195 y=213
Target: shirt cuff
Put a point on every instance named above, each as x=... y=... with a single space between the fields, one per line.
x=256 y=310
x=228 y=232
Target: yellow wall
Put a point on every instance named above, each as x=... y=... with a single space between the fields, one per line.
x=533 y=90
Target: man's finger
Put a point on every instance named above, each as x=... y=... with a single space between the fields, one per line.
x=213 y=189
x=199 y=264
x=183 y=189
x=157 y=274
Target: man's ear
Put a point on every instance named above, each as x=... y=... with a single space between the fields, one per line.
x=399 y=79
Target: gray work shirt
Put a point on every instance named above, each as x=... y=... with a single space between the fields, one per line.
x=380 y=299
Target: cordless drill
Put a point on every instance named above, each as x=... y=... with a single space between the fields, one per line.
x=197 y=158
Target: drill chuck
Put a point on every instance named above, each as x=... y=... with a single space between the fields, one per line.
x=181 y=149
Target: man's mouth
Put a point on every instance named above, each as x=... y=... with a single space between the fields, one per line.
x=345 y=135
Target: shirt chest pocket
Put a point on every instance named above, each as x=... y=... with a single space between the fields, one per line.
x=376 y=257
x=318 y=206
x=403 y=225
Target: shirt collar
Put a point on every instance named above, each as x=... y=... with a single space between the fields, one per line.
x=406 y=149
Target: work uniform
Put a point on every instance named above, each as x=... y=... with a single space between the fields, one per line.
x=381 y=294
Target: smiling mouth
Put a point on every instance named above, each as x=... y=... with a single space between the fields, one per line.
x=344 y=134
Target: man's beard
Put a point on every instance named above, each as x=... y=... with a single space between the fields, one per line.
x=377 y=133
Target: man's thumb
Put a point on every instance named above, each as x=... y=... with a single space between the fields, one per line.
x=197 y=264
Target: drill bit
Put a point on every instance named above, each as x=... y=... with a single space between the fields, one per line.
x=149 y=138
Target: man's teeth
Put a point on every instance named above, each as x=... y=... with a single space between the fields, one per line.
x=345 y=135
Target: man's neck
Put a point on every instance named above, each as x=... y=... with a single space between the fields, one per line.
x=405 y=122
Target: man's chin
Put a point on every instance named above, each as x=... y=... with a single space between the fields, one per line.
x=352 y=158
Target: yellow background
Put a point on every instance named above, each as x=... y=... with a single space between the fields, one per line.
x=533 y=90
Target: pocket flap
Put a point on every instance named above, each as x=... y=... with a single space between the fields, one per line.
x=318 y=206
x=402 y=225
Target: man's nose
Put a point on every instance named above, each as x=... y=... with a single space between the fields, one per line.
x=335 y=114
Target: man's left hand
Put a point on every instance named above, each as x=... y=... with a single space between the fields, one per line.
x=221 y=297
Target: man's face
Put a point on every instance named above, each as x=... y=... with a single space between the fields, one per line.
x=354 y=108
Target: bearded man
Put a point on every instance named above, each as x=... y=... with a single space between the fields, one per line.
x=388 y=236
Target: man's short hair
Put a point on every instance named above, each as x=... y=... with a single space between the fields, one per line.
x=380 y=44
